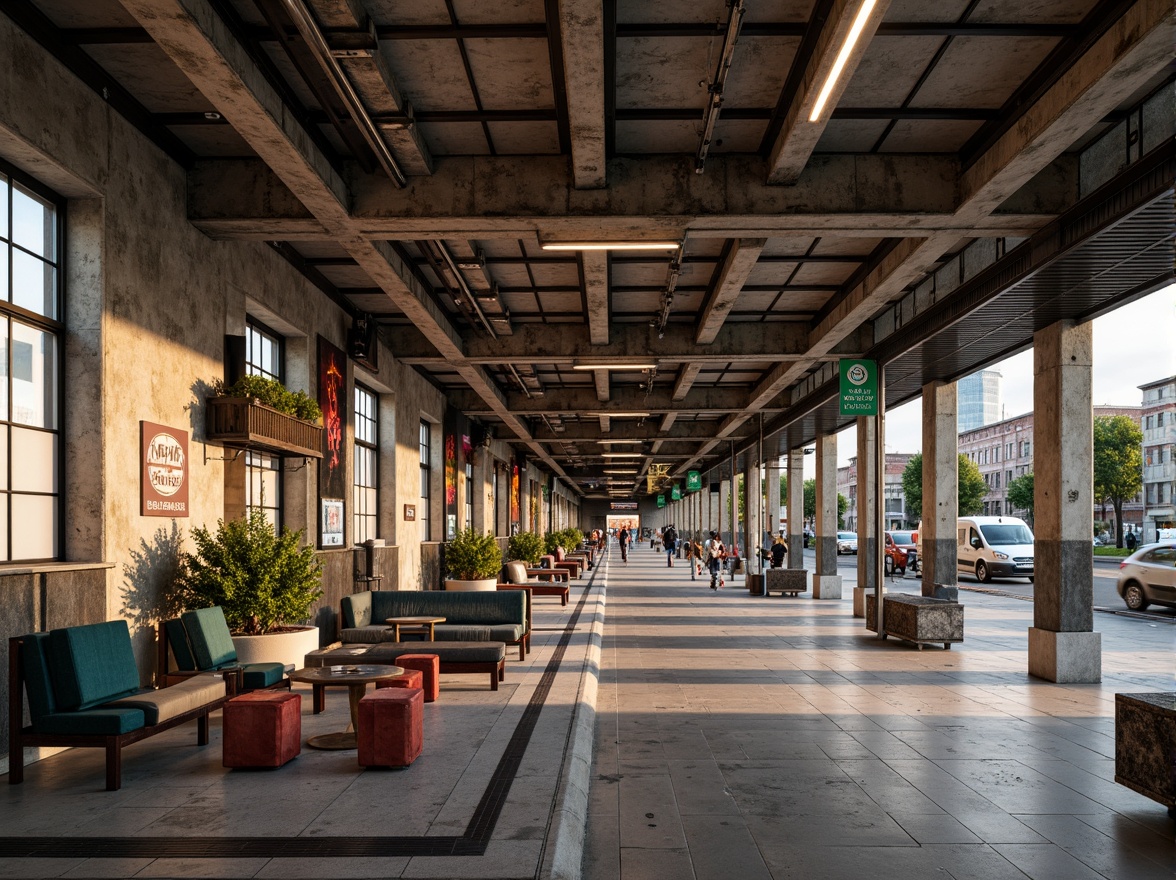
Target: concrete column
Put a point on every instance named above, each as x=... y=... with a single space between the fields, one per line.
x=941 y=489
x=772 y=493
x=826 y=582
x=1062 y=645
x=713 y=508
x=751 y=484
x=795 y=507
x=723 y=522
x=867 y=498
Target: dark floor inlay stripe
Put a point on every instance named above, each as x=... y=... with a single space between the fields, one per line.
x=472 y=843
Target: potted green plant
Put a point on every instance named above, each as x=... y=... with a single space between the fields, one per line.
x=262 y=413
x=472 y=560
x=526 y=546
x=266 y=583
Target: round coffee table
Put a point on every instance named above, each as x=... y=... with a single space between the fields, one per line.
x=425 y=623
x=356 y=678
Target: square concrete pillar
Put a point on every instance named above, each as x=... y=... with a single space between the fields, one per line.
x=713 y=508
x=826 y=583
x=754 y=520
x=795 y=508
x=941 y=490
x=772 y=503
x=726 y=511
x=867 y=501
x=1062 y=645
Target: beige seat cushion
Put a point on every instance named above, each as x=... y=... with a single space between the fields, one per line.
x=516 y=572
x=166 y=703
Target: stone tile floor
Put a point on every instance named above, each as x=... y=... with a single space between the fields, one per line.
x=775 y=738
x=177 y=795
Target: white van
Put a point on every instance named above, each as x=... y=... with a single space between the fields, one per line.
x=994 y=546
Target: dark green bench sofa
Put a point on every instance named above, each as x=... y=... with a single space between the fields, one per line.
x=486 y=616
x=199 y=642
x=83 y=690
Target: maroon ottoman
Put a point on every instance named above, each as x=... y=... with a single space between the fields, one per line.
x=262 y=729
x=412 y=678
x=391 y=730
x=429 y=665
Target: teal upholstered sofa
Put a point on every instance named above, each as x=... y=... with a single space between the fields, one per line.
x=82 y=685
x=485 y=616
x=200 y=642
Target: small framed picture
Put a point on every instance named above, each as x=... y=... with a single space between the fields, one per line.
x=332 y=525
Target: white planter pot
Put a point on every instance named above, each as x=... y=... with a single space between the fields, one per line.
x=483 y=585
x=288 y=647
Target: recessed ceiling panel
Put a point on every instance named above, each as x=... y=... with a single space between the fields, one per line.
x=850 y=135
x=770 y=273
x=802 y=300
x=737 y=135
x=661 y=72
x=430 y=73
x=758 y=70
x=824 y=273
x=150 y=76
x=525 y=138
x=214 y=141
x=982 y=72
x=409 y=12
x=658 y=137
x=499 y=12
x=455 y=138
x=889 y=70
x=929 y=136
x=834 y=246
x=511 y=74
x=1037 y=12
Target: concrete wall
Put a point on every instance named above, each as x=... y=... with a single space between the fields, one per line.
x=149 y=300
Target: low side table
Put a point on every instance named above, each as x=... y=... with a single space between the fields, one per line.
x=422 y=623
x=356 y=678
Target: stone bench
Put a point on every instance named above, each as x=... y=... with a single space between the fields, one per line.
x=1145 y=746
x=793 y=581
x=919 y=619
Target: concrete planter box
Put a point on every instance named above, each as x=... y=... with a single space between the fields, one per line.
x=786 y=580
x=289 y=647
x=245 y=421
x=918 y=619
x=1145 y=746
x=483 y=585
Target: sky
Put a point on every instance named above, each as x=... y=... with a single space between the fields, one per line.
x=1133 y=345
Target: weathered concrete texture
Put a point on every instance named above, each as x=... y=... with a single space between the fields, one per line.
x=1063 y=592
x=825 y=550
x=786 y=580
x=940 y=485
x=826 y=517
x=867 y=502
x=1065 y=657
x=796 y=508
x=859 y=599
x=1145 y=745
x=918 y=618
x=826 y=586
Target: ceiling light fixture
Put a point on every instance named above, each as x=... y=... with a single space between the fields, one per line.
x=613 y=366
x=619 y=415
x=629 y=442
x=851 y=39
x=609 y=245
x=627 y=473
x=622 y=455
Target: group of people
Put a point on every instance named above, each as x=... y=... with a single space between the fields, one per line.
x=711 y=555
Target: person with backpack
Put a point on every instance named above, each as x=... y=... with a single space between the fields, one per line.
x=623 y=539
x=778 y=552
x=714 y=553
x=670 y=543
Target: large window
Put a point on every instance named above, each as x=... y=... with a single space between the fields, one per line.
x=426 y=477
x=366 y=488
x=469 y=492
x=264 y=356
x=30 y=393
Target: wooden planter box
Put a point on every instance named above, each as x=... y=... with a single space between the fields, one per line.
x=246 y=422
x=1145 y=746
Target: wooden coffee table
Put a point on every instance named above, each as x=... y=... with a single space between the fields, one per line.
x=356 y=679
x=422 y=623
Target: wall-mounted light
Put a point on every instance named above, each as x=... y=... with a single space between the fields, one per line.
x=851 y=39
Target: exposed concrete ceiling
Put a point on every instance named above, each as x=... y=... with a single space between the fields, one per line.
x=413 y=159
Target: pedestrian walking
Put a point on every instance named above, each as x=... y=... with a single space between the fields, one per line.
x=623 y=539
x=670 y=539
x=1131 y=540
x=779 y=551
x=687 y=548
x=715 y=553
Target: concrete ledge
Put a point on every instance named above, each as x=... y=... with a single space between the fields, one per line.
x=827 y=586
x=1065 y=657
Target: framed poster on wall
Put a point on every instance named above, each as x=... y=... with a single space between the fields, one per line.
x=332 y=523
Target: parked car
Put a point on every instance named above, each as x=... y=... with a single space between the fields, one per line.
x=1148 y=576
x=846 y=542
x=900 y=552
x=994 y=546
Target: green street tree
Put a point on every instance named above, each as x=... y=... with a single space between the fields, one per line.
x=1020 y=495
x=1118 y=464
x=971 y=487
x=810 y=503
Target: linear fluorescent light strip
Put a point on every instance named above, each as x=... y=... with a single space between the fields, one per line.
x=851 y=39
x=636 y=442
x=613 y=366
x=610 y=246
x=622 y=455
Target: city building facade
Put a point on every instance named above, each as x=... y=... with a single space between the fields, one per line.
x=1159 y=451
x=896 y=508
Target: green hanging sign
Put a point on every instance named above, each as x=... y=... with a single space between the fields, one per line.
x=661 y=500
x=693 y=481
x=676 y=492
x=859 y=387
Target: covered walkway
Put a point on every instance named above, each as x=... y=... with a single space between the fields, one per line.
x=755 y=738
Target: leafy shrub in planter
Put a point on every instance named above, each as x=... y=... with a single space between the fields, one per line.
x=526 y=546
x=273 y=393
x=550 y=542
x=262 y=580
x=472 y=555
x=572 y=538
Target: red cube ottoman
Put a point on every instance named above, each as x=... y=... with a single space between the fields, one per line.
x=429 y=665
x=391 y=729
x=412 y=678
x=262 y=729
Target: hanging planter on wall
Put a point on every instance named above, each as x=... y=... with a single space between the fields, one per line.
x=259 y=413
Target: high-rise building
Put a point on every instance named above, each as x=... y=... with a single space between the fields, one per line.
x=1159 y=457
x=978 y=400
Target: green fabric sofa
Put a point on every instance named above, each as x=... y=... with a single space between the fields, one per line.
x=486 y=616
x=82 y=685
x=200 y=641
